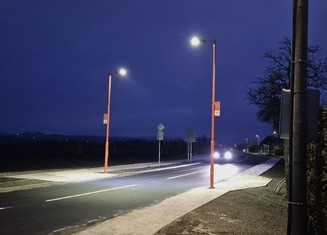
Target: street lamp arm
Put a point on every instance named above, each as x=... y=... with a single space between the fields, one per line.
x=121 y=72
x=195 y=41
x=208 y=41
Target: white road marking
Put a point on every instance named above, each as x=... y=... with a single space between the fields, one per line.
x=89 y=193
x=246 y=157
x=192 y=173
x=170 y=167
x=7 y=207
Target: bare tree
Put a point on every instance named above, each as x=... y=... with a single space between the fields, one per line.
x=265 y=92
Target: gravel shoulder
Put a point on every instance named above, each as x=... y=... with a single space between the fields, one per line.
x=248 y=211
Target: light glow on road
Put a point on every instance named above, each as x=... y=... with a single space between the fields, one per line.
x=226 y=170
x=89 y=193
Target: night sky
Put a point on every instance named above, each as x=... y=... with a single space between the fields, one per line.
x=55 y=57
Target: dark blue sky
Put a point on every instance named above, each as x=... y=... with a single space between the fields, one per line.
x=55 y=57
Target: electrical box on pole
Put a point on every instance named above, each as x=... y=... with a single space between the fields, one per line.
x=312 y=114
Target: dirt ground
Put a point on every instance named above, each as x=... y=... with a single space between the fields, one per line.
x=249 y=211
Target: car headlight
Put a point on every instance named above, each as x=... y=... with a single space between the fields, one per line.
x=228 y=155
x=216 y=155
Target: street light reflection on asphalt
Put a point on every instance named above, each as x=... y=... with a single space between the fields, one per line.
x=226 y=170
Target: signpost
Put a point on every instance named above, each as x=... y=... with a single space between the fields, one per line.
x=190 y=138
x=160 y=135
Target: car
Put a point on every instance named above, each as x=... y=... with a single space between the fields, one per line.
x=224 y=153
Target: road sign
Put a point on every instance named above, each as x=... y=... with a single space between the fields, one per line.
x=105 y=118
x=160 y=127
x=217 y=108
x=160 y=135
x=190 y=135
x=190 y=138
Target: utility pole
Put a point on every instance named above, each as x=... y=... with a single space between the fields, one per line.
x=298 y=199
x=290 y=137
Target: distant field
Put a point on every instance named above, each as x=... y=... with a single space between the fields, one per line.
x=19 y=153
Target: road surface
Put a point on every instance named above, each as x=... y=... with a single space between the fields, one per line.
x=48 y=210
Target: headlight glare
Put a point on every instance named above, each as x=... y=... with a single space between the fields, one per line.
x=216 y=155
x=228 y=155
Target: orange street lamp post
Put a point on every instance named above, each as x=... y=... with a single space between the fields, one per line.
x=122 y=72
x=196 y=42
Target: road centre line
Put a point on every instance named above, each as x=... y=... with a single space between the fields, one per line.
x=178 y=176
x=89 y=193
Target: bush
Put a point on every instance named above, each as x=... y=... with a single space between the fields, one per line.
x=317 y=179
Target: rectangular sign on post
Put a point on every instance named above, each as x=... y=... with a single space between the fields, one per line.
x=159 y=135
x=105 y=118
x=217 y=108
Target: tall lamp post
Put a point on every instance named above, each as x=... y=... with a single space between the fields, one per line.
x=121 y=72
x=195 y=41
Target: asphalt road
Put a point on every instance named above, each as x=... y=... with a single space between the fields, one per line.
x=49 y=210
